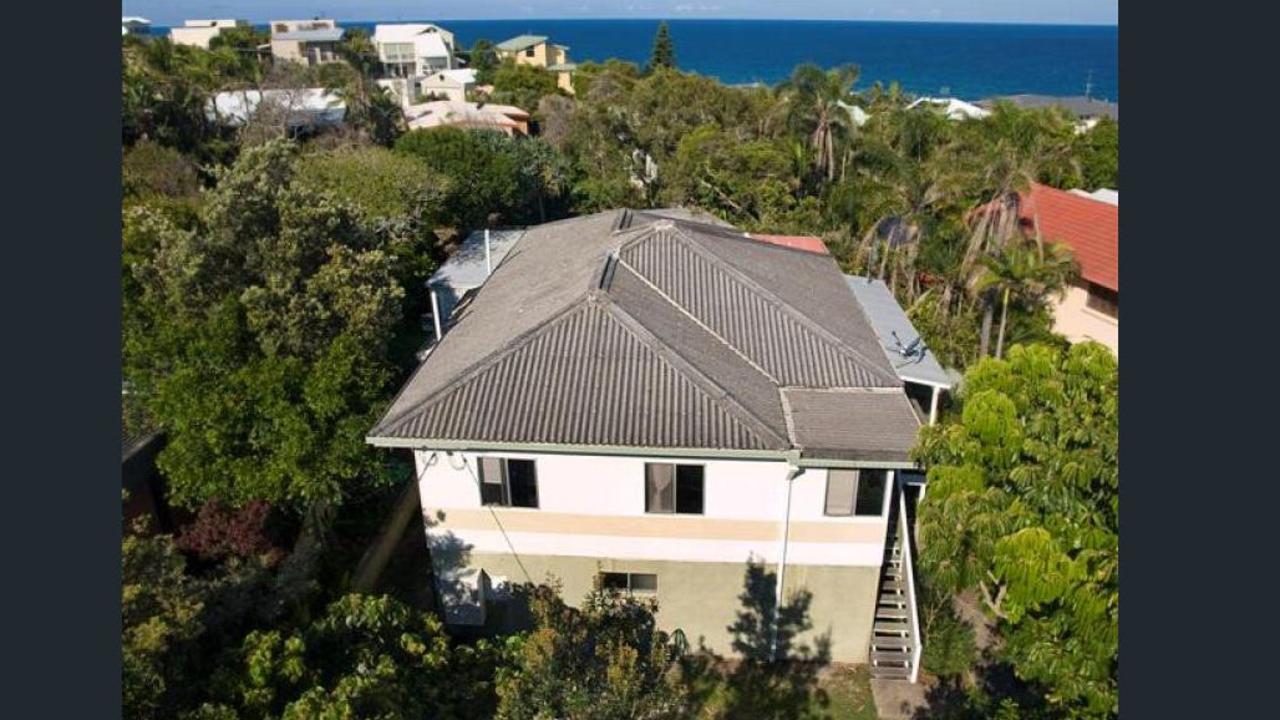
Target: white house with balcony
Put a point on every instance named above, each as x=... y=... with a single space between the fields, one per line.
x=650 y=401
x=409 y=50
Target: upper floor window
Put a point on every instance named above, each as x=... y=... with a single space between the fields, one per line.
x=670 y=488
x=512 y=483
x=528 y=52
x=856 y=492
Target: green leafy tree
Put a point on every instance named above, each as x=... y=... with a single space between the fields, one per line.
x=365 y=656
x=1099 y=151
x=664 y=49
x=605 y=660
x=493 y=178
x=259 y=338
x=749 y=183
x=483 y=58
x=522 y=85
x=1023 y=509
x=162 y=619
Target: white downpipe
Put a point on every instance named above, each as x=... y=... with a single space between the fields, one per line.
x=916 y=647
x=435 y=314
x=792 y=472
x=933 y=406
x=488 y=257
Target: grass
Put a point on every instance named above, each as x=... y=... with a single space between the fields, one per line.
x=842 y=691
x=848 y=691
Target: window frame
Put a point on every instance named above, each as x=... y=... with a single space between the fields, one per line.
x=1103 y=301
x=507 y=498
x=885 y=499
x=675 y=488
x=630 y=585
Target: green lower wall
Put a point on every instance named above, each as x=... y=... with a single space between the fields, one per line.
x=702 y=599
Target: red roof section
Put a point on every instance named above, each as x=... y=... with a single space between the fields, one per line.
x=808 y=243
x=1091 y=228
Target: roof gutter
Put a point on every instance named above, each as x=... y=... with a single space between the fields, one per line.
x=792 y=457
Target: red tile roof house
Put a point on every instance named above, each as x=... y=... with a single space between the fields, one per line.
x=1090 y=309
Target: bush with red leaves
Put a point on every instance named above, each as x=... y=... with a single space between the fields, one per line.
x=219 y=532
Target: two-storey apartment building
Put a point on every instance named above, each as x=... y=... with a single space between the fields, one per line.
x=409 y=50
x=539 y=51
x=199 y=33
x=311 y=42
x=652 y=402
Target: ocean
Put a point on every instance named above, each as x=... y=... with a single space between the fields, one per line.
x=969 y=61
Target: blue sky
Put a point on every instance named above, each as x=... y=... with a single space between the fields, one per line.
x=170 y=12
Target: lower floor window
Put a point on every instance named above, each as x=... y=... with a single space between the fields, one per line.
x=630 y=582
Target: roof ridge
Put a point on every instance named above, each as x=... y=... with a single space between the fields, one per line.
x=684 y=311
x=580 y=302
x=682 y=366
x=809 y=324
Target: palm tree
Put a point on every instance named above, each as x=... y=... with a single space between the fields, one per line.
x=1028 y=271
x=906 y=180
x=815 y=102
x=369 y=106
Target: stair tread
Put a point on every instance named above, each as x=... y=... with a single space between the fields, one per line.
x=880 y=671
x=891 y=658
x=890 y=612
x=891 y=626
x=890 y=642
x=892 y=599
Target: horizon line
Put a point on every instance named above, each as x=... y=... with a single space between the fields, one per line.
x=1020 y=23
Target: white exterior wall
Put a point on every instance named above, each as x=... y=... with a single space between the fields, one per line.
x=593 y=506
x=1074 y=320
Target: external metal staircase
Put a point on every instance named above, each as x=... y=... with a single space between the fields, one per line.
x=895 y=631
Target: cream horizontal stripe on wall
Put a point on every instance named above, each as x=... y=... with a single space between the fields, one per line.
x=460 y=542
x=692 y=527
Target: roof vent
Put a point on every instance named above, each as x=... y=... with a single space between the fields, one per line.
x=606 y=275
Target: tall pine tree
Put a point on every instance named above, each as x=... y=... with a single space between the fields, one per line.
x=664 y=50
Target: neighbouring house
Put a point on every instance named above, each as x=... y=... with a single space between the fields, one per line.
x=923 y=377
x=1106 y=195
x=310 y=42
x=297 y=110
x=199 y=33
x=1090 y=226
x=857 y=115
x=1087 y=110
x=413 y=49
x=538 y=51
x=449 y=84
x=652 y=401
x=134 y=25
x=140 y=442
x=953 y=108
x=468 y=115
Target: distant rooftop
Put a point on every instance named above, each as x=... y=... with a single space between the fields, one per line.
x=1078 y=105
x=319 y=35
x=521 y=42
x=897 y=334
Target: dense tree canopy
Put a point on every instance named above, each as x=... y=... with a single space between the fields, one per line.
x=259 y=336
x=1023 y=507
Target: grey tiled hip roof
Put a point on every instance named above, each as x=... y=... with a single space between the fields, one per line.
x=635 y=330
